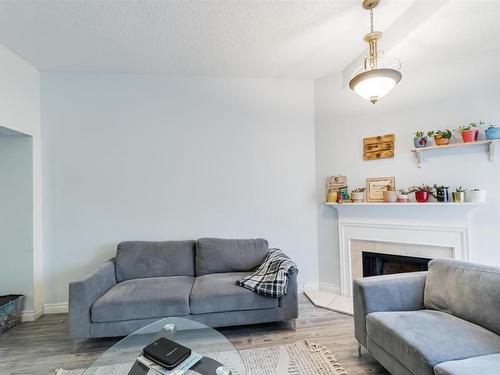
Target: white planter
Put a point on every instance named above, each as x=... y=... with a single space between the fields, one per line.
x=475 y=196
x=390 y=196
x=358 y=197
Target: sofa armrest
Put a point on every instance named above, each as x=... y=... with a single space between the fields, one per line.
x=83 y=294
x=290 y=302
x=399 y=292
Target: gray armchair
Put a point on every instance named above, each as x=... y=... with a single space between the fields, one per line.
x=444 y=321
x=148 y=281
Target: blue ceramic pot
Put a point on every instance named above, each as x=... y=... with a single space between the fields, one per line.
x=420 y=142
x=492 y=133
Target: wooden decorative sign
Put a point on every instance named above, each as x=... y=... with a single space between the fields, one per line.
x=381 y=147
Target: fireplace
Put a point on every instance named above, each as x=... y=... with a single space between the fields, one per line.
x=375 y=264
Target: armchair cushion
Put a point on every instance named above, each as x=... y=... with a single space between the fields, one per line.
x=156 y=297
x=215 y=255
x=143 y=259
x=421 y=339
x=484 y=365
x=219 y=293
x=467 y=290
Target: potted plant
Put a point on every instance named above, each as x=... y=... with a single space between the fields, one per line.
x=390 y=195
x=459 y=195
x=422 y=192
x=441 y=137
x=420 y=139
x=404 y=196
x=442 y=193
x=470 y=132
x=492 y=132
x=475 y=196
x=358 y=195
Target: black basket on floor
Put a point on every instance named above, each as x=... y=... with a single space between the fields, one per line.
x=10 y=311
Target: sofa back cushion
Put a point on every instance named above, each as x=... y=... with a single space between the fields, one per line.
x=215 y=255
x=141 y=259
x=466 y=290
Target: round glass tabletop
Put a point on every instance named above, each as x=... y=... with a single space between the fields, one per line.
x=119 y=359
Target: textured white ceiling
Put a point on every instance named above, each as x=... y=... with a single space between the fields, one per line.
x=275 y=39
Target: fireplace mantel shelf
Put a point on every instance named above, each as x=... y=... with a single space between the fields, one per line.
x=407 y=204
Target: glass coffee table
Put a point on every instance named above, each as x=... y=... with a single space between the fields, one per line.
x=119 y=359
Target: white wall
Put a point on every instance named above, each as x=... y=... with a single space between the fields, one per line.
x=156 y=158
x=20 y=111
x=16 y=216
x=435 y=93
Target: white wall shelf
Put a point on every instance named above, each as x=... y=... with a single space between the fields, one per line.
x=406 y=204
x=490 y=143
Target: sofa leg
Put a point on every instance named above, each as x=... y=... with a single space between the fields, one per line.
x=76 y=345
x=293 y=324
x=359 y=350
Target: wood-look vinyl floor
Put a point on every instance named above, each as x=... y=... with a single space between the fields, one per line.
x=42 y=346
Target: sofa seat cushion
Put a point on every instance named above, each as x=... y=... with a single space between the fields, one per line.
x=484 y=365
x=156 y=297
x=218 y=292
x=422 y=339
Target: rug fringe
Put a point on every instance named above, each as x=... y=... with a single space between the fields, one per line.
x=323 y=350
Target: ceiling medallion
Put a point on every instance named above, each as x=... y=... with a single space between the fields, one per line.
x=379 y=74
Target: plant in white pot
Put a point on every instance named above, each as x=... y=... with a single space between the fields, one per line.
x=475 y=196
x=358 y=195
x=390 y=194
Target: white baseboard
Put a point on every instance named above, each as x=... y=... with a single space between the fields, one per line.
x=55 y=308
x=315 y=286
x=32 y=315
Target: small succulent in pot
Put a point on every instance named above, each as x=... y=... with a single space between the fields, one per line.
x=404 y=195
x=390 y=195
x=470 y=132
x=442 y=193
x=441 y=137
x=422 y=192
x=492 y=132
x=358 y=195
x=420 y=139
x=475 y=196
x=459 y=195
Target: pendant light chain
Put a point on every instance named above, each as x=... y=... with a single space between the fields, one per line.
x=371 y=20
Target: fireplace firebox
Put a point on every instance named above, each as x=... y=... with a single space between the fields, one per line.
x=375 y=264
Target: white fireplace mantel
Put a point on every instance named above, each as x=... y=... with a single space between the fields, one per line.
x=426 y=230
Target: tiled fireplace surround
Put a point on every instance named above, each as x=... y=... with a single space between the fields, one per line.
x=416 y=231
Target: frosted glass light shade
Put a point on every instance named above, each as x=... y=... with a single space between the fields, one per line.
x=375 y=84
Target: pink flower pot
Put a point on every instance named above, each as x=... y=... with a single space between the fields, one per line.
x=422 y=196
x=470 y=135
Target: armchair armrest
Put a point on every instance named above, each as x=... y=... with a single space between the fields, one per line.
x=399 y=292
x=83 y=294
x=290 y=302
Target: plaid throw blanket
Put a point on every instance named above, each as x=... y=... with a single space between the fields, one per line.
x=271 y=278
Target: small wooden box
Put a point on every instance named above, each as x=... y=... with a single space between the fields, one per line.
x=380 y=147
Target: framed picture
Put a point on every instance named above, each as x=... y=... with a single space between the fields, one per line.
x=375 y=188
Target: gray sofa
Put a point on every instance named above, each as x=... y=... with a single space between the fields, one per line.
x=148 y=281
x=442 y=322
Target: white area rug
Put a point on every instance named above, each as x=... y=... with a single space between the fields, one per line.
x=301 y=358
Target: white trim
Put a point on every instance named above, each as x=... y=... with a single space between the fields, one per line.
x=32 y=315
x=55 y=308
x=329 y=288
x=396 y=233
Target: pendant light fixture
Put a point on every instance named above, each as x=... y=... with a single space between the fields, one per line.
x=378 y=75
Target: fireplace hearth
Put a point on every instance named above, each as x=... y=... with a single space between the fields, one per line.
x=375 y=264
